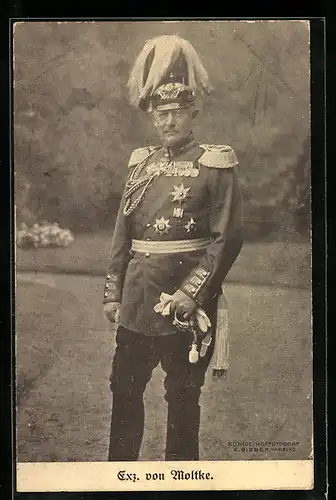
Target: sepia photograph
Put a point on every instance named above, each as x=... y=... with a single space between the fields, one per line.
x=163 y=316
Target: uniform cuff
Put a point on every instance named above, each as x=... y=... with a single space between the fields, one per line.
x=195 y=282
x=112 y=288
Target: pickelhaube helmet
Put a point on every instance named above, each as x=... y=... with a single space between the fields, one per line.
x=168 y=73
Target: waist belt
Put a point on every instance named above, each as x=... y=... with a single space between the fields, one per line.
x=144 y=246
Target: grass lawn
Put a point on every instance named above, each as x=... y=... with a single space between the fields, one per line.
x=64 y=351
x=282 y=263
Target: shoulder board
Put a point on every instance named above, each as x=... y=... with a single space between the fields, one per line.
x=217 y=156
x=141 y=154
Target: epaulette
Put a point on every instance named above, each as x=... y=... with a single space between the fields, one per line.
x=218 y=156
x=141 y=154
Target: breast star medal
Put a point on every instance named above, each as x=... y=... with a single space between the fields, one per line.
x=180 y=193
x=162 y=226
x=190 y=225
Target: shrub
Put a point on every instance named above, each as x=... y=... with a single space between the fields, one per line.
x=43 y=235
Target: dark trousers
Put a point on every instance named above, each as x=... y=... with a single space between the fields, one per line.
x=135 y=358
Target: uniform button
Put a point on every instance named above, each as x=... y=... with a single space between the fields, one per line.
x=148 y=239
x=181 y=262
x=147 y=254
x=148 y=225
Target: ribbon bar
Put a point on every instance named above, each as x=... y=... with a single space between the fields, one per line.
x=175 y=246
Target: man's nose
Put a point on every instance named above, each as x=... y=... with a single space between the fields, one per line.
x=170 y=119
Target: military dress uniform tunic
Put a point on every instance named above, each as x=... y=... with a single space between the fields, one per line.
x=195 y=197
x=185 y=198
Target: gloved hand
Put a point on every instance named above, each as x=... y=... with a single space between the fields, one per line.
x=111 y=310
x=182 y=305
x=164 y=308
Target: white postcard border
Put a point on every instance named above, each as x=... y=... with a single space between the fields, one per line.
x=165 y=476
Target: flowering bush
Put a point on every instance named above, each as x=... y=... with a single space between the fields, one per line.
x=46 y=234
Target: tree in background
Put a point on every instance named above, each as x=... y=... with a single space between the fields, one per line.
x=74 y=129
x=298 y=198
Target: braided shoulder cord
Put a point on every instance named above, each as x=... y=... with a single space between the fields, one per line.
x=131 y=206
x=134 y=183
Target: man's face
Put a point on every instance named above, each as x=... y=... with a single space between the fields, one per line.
x=173 y=125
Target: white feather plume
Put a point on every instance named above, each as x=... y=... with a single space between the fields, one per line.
x=166 y=49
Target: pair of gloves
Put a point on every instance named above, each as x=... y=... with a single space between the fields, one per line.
x=197 y=320
x=179 y=304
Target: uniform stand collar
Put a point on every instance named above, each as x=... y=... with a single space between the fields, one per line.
x=181 y=147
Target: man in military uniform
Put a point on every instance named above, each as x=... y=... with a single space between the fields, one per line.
x=177 y=234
